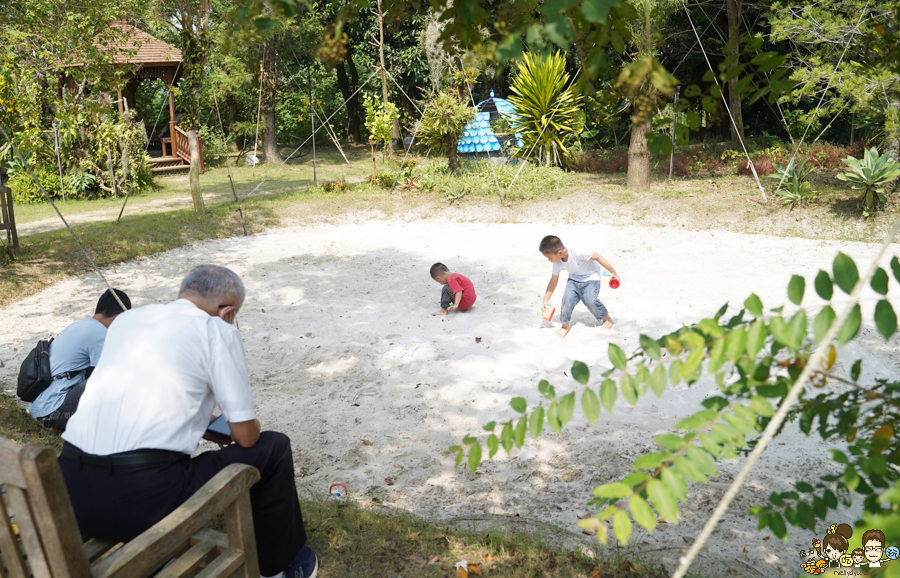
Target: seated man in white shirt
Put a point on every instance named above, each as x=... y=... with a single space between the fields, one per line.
x=73 y=354
x=127 y=457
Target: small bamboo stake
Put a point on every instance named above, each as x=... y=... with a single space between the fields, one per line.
x=112 y=174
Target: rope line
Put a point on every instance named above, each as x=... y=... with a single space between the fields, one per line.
x=228 y=166
x=415 y=132
x=49 y=200
x=267 y=177
x=727 y=108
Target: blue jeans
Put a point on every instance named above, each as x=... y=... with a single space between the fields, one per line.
x=585 y=291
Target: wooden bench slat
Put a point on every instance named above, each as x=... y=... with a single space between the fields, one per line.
x=28 y=530
x=94 y=549
x=196 y=556
x=223 y=566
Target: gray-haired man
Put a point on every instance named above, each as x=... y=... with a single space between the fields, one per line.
x=127 y=457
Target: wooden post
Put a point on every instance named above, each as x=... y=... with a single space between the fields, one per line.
x=119 y=93
x=7 y=216
x=171 y=113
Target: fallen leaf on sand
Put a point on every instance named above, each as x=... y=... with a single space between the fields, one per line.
x=585 y=517
x=477 y=340
x=767 y=537
x=661 y=521
x=745 y=550
x=488 y=558
x=433 y=559
x=462 y=572
x=389 y=481
x=628 y=566
x=596 y=574
x=355 y=405
x=475 y=569
x=366 y=443
x=703 y=504
x=416 y=559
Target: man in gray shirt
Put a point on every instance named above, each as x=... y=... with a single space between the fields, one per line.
x=73 y=354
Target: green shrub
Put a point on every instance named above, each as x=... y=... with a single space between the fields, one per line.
x=793 y=187
x=336 y=186
x=871 y=176
x=26 y=191
x=478 y=178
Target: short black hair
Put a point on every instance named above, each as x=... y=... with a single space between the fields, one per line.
x=551 y=244
x=438 y=269
x=108 y=306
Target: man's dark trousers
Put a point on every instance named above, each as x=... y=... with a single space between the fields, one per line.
x=120 y=503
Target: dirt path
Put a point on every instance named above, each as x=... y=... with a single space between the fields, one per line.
x=345 y=358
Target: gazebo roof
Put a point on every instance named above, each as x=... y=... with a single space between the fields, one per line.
x=134 y=46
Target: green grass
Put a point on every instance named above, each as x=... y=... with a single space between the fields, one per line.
x=17 y=425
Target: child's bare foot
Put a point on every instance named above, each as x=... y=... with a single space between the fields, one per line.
x=563 y=331
x=441 y=312
x=607 y=322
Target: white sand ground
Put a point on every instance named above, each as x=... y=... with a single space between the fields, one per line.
x=341 y=349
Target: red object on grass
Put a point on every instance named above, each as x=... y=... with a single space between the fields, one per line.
x=613 y=283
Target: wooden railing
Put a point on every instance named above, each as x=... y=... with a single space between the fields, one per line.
x=180 y=146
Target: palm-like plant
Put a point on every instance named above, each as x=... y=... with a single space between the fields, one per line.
x=871 y=175
x=545 y=108
x=793 y=187
x=441 y=125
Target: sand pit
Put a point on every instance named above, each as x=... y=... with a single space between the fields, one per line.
x=342 y=349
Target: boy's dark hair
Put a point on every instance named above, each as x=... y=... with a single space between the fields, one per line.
x=551 y=244
x=438 y=269
x=108 y=306
x=858 y=552
x=876 y=535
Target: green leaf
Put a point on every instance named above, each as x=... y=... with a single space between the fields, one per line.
x=613 y=491
x=650 y=346
x=670 y=441
x=692 y=363
x=546 y=389
x=489 y=426
x=519 y=434
x=851 y=326
x=662 y=499
x=804 y=487
x=855 y=370
x=474 y=457
x=716 y=355
x=658 y=380
x=590 y=405
x=754 y=305
x=597 y=10
x=702 y=460
x=885 y=319
x=806 y=515
x=493 y=445
x=839 y=456
x=519 y=404
x=469 y=440
x=756 y=338
x=761 y=406
x=690 y=469
x=536 y=422
x=796 y=288
x=642 y=513
x=880 y=281
x=674 y=480
x=608 y=394
x=735 y=343
x=776 y=522
x=851 y=478
x=698 y=420
x=580 y=372
x=895 y=267
x=459 y=459
x=823 y=321
x=553 y=418
x=675 y=372
x=617 y=356
x=629 y=391
x=566 y=408
x=650 y=461
x=506 y=437
x=622 y=527
x=798 y=327
x=846 y=274
x=824 y=286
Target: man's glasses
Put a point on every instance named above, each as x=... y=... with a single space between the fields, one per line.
x=874 y=548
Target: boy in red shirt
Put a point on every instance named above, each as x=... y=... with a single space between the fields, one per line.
x=458 y=292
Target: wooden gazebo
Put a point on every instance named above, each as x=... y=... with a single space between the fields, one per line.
x=147 y=57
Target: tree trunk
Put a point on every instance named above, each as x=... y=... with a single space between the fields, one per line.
x=395 y=132
x=196 y=194
x=348 y=85
x=734 y=46
x=452 y=158
x=639 y=158
x=231 y=104
x=268 y=85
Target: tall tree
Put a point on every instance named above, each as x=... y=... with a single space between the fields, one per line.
x=268 y=86
x=733 y=48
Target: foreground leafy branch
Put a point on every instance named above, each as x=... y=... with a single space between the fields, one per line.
x=755 y=357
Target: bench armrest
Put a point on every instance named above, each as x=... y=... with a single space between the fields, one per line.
x=146 y=553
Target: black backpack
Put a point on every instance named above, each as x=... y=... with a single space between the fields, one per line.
x=35 y=375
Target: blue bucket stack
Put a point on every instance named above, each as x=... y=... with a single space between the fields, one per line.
x=478 y=136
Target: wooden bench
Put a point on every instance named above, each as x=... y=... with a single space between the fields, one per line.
x=7 y=216
x=49 y=544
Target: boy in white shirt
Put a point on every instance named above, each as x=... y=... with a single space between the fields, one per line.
x=583 y=283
